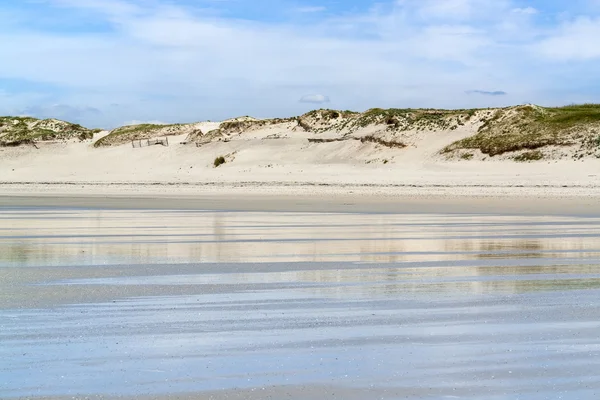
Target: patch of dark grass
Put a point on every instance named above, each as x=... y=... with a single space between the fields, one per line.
x=219 y=161
x=330 y=140
x=382 y=142
x=86 y=135
x=15 y=143
x=569 y=116
x=500 y=144
x=364 y=139
x=529 y=156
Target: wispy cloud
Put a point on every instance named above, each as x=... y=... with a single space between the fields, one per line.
x=574 y=40
x=61 y=111
x=525 y=10
x=172 y=60
x=315 y=99
x=137 y=122
x=487 y=93
x=313 y=9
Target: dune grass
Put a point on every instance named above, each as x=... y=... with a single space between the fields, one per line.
x=24 y=130
x=530 y=128
x=128 y=133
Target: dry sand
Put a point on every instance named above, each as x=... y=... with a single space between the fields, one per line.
x=277 y=160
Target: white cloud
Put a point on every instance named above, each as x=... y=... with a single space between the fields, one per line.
x=526 y=10
x=314 y=98
x=456 y=10
x=445 y=8
x=487 y=92
x=450 y=42
x=137 y=122
x=576 y=40
x=314 y=9
x=173 y=63
x=60 y=110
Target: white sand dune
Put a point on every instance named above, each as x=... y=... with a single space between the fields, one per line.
x=282 y=155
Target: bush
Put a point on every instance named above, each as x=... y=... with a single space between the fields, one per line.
x=529 y=156
x=219 y=161
x=86 y=135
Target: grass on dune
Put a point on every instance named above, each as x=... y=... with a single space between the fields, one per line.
x=530 y=128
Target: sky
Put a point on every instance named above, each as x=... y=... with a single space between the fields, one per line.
x=105 y=63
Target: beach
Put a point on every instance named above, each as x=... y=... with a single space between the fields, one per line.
x=295 y=272
x=279 y=168
x=208 y=302
x=549 y=200
x=375 y=199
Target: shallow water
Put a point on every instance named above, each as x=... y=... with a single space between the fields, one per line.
x=136 y=303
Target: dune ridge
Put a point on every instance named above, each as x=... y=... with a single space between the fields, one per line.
x=520 y=146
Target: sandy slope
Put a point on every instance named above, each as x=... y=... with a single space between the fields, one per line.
x=277 y=154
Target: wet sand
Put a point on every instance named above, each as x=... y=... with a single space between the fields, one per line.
x=511 y=200
x=194 y=304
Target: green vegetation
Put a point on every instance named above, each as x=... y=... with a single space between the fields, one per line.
x=219 y=161
x=420 y=119
x=396 y=119
x=15 y=131
x=236 y=126
x=239 y=126
x=325 y=119
x=528 y=156
x=88 y=135
x=467 y=156
x=364 y=139
x=569 y=116
x=530 y=128
x=128 y=133
x=326 y=114
x=379 y=141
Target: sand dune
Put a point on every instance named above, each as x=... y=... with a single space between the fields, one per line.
x=323 y=147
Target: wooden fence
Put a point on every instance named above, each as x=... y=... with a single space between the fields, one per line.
x=136 y=144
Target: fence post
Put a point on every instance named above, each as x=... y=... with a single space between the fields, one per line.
x=167 y=138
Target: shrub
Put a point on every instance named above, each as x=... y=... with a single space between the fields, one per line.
x=535 y=155
x=332 y=114
x=219 y=161
x=85 y=135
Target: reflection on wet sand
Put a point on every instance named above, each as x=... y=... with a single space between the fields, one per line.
x=155 y=304
x=97 y=237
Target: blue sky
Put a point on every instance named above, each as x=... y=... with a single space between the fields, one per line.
x=109 y=62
